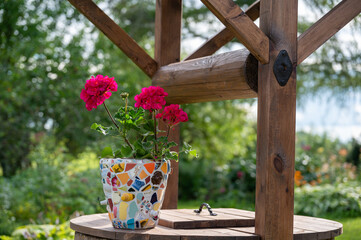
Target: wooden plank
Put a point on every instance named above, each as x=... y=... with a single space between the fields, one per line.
x=212 y=78
x=242 y=27
x=276 y=125
x=326 y=27
x=236 y=212
x=187 y=219
x=117 y=35
x=223 y=37
x=168 y=21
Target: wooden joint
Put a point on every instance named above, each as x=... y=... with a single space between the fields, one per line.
x=251 y=72
x=242 y=26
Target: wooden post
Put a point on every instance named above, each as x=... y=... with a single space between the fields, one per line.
x=276 y=125
x=168 y=21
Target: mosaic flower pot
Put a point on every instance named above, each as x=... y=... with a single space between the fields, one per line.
x=134 y=191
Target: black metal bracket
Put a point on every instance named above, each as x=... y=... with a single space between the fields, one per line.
x=208 y=207
x=282 y=68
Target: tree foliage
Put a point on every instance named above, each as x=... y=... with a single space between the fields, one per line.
x=48 y=50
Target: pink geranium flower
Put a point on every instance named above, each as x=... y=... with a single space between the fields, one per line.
x=151 y=98
x=173 y=115
x=96 y=90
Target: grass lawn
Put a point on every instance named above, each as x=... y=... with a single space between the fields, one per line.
x=351 y=226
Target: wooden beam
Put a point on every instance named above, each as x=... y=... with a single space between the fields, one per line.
x=168 y=22
x=117 y=35
x=223 y=37
x=213 y=78
x=326 y=27
x=276 y=125
x=242 y=27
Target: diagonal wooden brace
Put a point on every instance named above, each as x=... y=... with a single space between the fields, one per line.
x=117 y=35
x=223 y=37
x=326 y=27
x=242 y=27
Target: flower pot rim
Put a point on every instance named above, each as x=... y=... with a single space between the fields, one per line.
x=134 y=159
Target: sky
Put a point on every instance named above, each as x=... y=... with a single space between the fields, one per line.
x=317 y=115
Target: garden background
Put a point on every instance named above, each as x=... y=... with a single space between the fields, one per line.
x=49 y=155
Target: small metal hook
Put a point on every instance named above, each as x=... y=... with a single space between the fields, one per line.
x=208 y=207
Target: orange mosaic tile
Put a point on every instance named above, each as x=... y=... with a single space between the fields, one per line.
x=150 y=167
x=164 y=167
x=143 y=174
x=123 y=177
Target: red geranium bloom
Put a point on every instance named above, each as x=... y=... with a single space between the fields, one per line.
x=173 y=115
x=96 y=90
x=151 y=98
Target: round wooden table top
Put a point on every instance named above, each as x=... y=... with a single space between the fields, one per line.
x=98 y=226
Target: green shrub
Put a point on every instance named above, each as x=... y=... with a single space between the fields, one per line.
x=51 y=190
x=339 y=200
x=32 y=232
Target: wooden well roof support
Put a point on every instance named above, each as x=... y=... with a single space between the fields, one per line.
x=326 y=27
x=223 y=37
x=117 y=35
x=219 y=77
x=244 y=29
x=276 y=125
x=168 y=21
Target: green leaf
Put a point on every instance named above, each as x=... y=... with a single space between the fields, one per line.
x=104 y=130
x=171 y=144
x=126 y=151
x=193 y=153
x=107 y=152
x=188 y=149
x=118 y=154
x=171 y=156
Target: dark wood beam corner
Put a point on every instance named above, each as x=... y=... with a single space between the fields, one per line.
x=117 y=35
x=244 y=29
x=223 y=37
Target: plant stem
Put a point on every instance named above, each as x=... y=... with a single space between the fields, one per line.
x=155 y=132
x=168 y=130
x=111 y=117
x=126 y=104
x=126 y=140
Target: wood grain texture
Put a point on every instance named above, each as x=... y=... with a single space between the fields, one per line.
x=326 y=27
x=212 y=78
x=168 y=22
x=117 y=35
x=276 y=125
x=232 y=16
x=223 y=37
x=188 y=219
x=98 y=226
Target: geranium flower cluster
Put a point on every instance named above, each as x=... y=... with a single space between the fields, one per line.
x=151 y=98
x=137 y=121
x=97 y=90
x=172 y=115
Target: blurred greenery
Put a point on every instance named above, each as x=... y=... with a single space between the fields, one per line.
x=48 y=154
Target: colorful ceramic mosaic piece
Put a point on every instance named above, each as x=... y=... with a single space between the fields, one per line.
x=134 y=190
